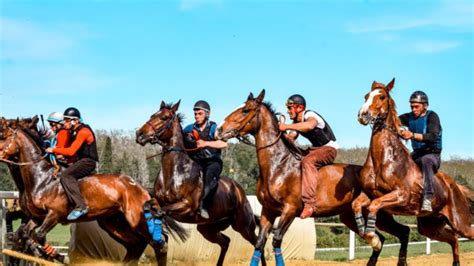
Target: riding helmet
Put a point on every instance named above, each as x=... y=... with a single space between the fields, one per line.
x=72 y=113
x=296 y=99
x=202 y=105
x=55 y=117
x=419 y=97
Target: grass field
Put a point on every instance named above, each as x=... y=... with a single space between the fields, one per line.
x=59 y=236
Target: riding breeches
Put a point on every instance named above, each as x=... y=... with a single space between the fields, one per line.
x=316 y=158
x=429 y=165
x=69 y=180
x=211 y=169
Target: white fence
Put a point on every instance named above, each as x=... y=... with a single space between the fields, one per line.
x=352 y=241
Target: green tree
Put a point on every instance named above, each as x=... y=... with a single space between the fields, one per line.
x=106 y=160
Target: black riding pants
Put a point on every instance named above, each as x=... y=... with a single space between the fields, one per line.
x=212 y=169
x=429 y=165
x=69 y=180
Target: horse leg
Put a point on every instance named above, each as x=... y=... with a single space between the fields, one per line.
x=213 y=233
x=387 y=223
x=434 y=228
x=394 y=198
x=287 y=216
x=358 y=204
x=266 y=224
x=119 y=229
x=347 y=218
x=244 y=223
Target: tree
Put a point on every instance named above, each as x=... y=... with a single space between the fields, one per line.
x=106 y=165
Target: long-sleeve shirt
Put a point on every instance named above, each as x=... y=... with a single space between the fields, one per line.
x=63 y=138
x=83 y=136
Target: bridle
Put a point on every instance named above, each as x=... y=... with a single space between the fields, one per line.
x=11 y=141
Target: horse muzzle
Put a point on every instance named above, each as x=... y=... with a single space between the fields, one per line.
x=364 y=118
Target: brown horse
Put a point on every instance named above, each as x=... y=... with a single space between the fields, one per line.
x=393 y=182
x=279 y=183
x=179 y=186
x=115 y=201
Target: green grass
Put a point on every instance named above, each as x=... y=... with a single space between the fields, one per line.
x=59 y=236
x=413 y=250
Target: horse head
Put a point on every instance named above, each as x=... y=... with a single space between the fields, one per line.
x=377 y=103
x=243 y=120
x=158 y=127
x=8 y=139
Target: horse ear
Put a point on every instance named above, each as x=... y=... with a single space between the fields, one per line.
x=162 y=105
x=374 y=85
x=250 y=98
x=34 y=120
x=175 y=106
x=390 y=85
x=261 y=96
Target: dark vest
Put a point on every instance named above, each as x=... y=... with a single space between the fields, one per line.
x=208 y=135
x=86 y=150
x=319 y=137
x=420 y=125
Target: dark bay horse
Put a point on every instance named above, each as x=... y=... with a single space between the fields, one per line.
x=116 y=202
x=393 y=182
x=178 y=188
x=279 y=183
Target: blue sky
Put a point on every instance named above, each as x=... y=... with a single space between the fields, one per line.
x=116 y=60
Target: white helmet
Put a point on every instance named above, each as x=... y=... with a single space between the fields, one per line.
x=56 y=117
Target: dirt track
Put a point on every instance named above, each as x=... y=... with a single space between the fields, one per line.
x=467 y=258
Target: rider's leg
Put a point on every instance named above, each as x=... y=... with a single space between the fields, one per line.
x=70 y=183
x=429 y=165
x=310 y=164
x=212 y=171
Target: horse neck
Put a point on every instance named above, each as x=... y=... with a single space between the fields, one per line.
x=32 y=175
x=174 y=162
x=266 y=134
x=17 y=178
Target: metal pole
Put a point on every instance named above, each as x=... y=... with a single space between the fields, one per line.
x=351 y=245
x=428 y=246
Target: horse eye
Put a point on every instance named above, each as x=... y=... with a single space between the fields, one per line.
x=382 y=98
x=245 y=111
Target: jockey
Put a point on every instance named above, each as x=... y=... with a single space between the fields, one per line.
x=202 y=132
x=312 y=126
x=61 y=137
x=425 y=132
x=84 y=146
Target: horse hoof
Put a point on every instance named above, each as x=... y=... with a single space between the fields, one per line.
x=402 y=263
x=456 y=263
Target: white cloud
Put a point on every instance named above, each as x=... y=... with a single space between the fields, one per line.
x=22 y=39
x=434 y=46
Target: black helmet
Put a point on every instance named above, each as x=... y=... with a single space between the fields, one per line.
x=419 y=97
x=72 y=113
x=296 y=99
x=202 y=105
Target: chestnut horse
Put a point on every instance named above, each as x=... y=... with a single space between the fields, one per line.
x=179 y=186
x=116 y=202
x=393 y=182
x=279 y=183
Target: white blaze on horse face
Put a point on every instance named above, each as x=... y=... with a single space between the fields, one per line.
x=365 y=108
x=238 y=107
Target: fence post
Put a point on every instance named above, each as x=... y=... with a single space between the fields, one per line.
x=428 y=246
x=351 y=245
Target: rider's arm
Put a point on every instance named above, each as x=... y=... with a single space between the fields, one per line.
x=62 y=138
x=432 y=131
x=305 y=126
x=84 y=135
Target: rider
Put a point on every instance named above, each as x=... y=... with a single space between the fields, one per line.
x=425 y=132
x=312 y=126
x=61 y=137
x=84 y=146
x=203 y=131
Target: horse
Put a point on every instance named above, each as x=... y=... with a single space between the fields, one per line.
x=279 y=182
x=116 y=202
x=179 y=186
x=393 y=183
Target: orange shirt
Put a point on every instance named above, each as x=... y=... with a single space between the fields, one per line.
x=84 y=135
x=63 y=138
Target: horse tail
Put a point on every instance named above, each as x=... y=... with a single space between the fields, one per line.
x=176 y=230
x=469 y=195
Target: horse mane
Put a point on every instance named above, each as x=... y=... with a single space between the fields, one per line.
x=392 y=116
x=180 y=116
x=291 y=145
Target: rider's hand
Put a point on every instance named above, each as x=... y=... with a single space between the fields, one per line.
x=406 y=134
x=282 y=127
x=49 y=150
x=200 y=143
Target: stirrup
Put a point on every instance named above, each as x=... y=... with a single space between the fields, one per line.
x=426 y=205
